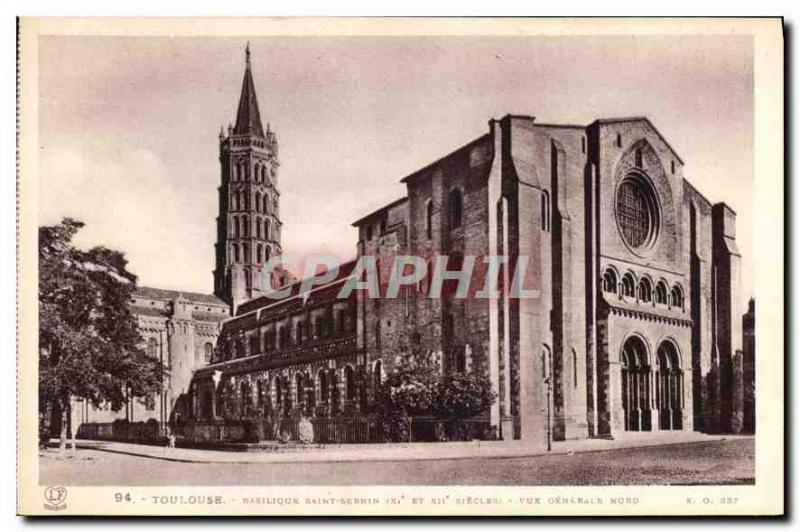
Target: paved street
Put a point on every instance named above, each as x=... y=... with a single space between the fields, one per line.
x=705 y=462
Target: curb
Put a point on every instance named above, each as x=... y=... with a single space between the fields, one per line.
x=501 y=455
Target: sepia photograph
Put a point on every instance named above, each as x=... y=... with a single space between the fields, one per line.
x=326 y=267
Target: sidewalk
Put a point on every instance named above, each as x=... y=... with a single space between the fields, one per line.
x=402 y=451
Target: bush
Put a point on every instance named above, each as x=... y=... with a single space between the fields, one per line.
x=417 y=388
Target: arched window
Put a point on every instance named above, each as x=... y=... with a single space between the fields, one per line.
x=334 y=392
x=661 y=293
x=349 y=384
x=376 y=375
x=246 y=226
x=258 y=202
x=152 y=348
x=258 y=228
x=545 y=210
x=256 y=172
x=266 y=230
x=677 y=297
x=322 y=380
x=454 y=208
x=246 y=252
x=236 y=257
x=628 y=286
x=264 y=175
x=645 y=290
x=610 y=281
x=208 y=351
x=264 y=204
x=248 y=280
x=247 y=397
x=299 y=384
x=261 y=394
x=258 y=253
x=233 y=172
x=429 y=220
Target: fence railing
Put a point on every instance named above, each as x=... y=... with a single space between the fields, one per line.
x=334 y=430
x=141 y=431
x=323 y=430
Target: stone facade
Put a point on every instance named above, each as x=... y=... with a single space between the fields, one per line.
x=635 y=327
x=178 y=328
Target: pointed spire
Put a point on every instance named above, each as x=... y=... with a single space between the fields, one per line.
x=248 y=119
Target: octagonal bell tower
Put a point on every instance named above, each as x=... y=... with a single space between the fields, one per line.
x=248 y=224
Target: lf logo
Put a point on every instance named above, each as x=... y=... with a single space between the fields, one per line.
x=55 y=497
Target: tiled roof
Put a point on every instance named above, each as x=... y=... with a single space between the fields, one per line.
x=345 y=270
x=160 y=293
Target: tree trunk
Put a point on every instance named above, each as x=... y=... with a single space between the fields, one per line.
x=62 y=444
x=45 y=419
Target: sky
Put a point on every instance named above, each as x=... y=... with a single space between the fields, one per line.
x=129 y=126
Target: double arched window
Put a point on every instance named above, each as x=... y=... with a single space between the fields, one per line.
x=676 y=296
x=610 y=281
x=661 y=293
x=628 y=285
x=645 y=290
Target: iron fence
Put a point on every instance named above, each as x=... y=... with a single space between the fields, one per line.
x=324 y=430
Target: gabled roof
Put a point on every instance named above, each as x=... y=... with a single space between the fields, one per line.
x=603 y=121
x=248 y=119
x=264 y=301
x=160 y=293
x=376 y=212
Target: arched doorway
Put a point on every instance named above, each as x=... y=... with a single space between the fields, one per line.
x=636 y=392
x=669 y=387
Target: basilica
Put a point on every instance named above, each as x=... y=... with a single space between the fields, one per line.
x=637 y=327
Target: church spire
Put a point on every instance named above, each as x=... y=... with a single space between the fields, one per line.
x=248 y=119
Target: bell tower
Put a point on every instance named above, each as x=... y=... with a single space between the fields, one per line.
x=248 y=224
